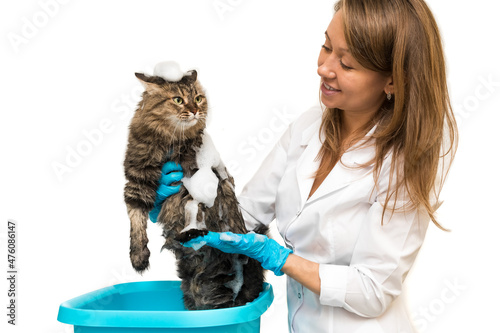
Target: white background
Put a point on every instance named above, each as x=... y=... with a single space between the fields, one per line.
x=68 y=87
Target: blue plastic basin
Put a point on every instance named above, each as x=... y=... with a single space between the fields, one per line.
x=157 y=306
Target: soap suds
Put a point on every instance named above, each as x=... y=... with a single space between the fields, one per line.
x=191 y=212
x=169 y=71
x=229 y=237
x=236 y=283
x=204 y=183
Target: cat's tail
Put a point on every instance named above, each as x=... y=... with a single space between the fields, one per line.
x=139 y=252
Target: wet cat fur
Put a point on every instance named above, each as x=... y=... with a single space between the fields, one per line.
x=161 y=130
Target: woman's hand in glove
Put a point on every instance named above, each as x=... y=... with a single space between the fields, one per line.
x=267 y=251
x=171 y=172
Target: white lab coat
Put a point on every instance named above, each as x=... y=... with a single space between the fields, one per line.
x=362 y=263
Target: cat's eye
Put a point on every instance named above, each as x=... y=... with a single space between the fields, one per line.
x=178 y=100
x=198 y=99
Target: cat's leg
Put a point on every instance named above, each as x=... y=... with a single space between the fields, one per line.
x=195 y=222
x=191 y=211
x=139 y=252
x=186 y=236
x=237 y=281
x=205 y=274
x=253 y=274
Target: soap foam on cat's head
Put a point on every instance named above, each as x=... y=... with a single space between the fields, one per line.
x=170 y=71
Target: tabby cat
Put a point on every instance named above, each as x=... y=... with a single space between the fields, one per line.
x=169 y=125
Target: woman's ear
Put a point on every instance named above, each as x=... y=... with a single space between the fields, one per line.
x=389 y=87
x=150 y=83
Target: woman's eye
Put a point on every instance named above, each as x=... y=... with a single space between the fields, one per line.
x=344 y=66
x=326 y=48
x=178 y=100
x=198 y=99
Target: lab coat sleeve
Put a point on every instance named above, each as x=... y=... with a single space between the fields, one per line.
x=257 y=199
x=381 y=259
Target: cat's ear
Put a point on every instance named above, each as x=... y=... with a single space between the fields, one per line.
x=152 y=84
x=193 y=75
x=190 y=77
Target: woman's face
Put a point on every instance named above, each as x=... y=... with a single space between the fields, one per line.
x=345 y=84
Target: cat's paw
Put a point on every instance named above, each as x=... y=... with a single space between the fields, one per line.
x=187 y=235
x=140 y=259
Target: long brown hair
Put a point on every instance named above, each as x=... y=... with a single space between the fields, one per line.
x=401 y=38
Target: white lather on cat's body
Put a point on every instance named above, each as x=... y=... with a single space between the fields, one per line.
x=169 y=70
x=202 y=185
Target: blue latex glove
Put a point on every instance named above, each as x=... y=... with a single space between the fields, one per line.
x=170 y=172
x=267 y=251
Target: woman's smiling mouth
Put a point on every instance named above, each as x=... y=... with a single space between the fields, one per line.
x=329 y=90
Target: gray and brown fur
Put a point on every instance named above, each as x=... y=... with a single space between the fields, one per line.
x=160 y=131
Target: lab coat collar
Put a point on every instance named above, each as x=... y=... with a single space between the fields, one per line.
x=342 y=174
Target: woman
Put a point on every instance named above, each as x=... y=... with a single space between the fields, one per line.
x=353 y=187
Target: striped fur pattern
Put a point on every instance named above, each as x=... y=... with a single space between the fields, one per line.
x=168 y=125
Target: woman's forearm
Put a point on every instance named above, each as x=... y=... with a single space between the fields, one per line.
x=303 y=271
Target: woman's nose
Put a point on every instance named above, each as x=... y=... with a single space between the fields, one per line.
x=326 y=68
x=326 y=71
